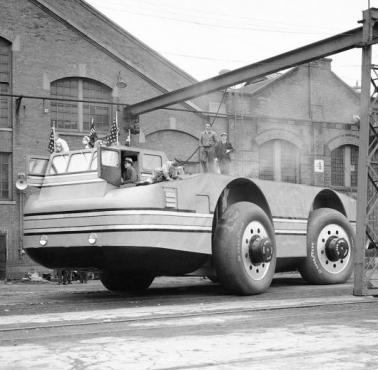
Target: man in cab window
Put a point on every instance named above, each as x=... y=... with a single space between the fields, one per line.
x=129 y=174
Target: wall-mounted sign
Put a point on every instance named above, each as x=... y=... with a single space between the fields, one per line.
x=319 y=165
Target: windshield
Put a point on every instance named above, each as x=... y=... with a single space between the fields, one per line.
x=74 y=162
x=37 y=166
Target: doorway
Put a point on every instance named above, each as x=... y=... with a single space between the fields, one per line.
x=3 y=256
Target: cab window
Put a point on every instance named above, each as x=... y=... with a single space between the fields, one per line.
x=79 y=162
x=151 y=162
x=135 y=159
x=110 y=158
x=37 y=166
x=59 y=164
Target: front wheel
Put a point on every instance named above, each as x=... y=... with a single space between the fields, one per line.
x=122 y=282
x=330 y=248
x=244 y=250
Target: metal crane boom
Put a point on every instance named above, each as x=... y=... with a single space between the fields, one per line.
x=332 y=45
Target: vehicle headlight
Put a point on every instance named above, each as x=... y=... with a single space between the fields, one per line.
x=92 y=239
x=43 y=240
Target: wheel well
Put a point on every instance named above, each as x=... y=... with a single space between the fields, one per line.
x=240 y=190
x=327 y=198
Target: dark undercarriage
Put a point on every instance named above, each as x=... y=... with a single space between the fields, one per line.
x=155 y=261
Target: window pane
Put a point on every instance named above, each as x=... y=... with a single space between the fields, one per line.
x=109 y=158
x=64 y=115
x=37 y=166
x=266 y=155
x=150 y=162
x=59 y=164
x=353 y=165
x=100 y=113
x=4 y=176
x=79 y=162
x=288 y=162
x=4 y=106
x=337 y=167
x=4 y=61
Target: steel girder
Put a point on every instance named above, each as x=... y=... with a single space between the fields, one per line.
x=367 y=193
x=332 y=45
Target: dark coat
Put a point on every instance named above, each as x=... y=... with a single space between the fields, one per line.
x=129 y=175
x=222 y=151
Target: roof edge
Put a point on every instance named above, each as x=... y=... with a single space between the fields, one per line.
x=122 y=31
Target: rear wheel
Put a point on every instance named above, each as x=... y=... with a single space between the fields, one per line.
x=122 y=282
x=330 y=248
x=244 y=251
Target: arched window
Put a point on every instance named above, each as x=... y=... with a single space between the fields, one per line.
x=279 y=161
x=5 y=70
x=76 y=115
x=344 y=163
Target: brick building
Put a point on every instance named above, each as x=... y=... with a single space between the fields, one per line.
x=297 y=127
x=65 y=48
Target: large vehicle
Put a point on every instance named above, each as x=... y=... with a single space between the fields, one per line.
x=237 y=230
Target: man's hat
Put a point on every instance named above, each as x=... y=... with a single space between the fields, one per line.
x=128 y=159
x=223 y=134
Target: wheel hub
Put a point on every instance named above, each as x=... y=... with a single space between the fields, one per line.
x=257 y=250
x=333 y=248
x=260 y=249
x=336 y=248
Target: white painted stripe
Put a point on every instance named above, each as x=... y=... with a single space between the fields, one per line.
x=119 y=227
x=119 y=213
x=289 y=220
x=291 y=232
x=73 y=183
x=73 y=174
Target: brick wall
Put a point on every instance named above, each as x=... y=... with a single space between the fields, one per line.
x=308 y=106
x=76 y=42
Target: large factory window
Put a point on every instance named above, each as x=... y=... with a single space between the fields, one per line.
x=5 y=68
x=344 y=162
x=77 y=116
x=279 y=161
x=5 y=175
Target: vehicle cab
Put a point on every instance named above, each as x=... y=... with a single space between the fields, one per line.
x=88 y=164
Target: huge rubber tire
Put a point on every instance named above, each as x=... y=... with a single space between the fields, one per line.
x=318 y=268
x=231 y=254
x=122 y=282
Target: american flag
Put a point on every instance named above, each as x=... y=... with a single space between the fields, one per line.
x=113 y=136
x=51 y=146
x=92 y=134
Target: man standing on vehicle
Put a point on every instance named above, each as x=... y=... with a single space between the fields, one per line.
x=129 y=175
x=207 y=142
x=222 y=154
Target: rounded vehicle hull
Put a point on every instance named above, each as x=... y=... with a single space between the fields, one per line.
x=156 y=261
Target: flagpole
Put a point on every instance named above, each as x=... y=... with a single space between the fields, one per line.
x=117 y=125
x=54 y=136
